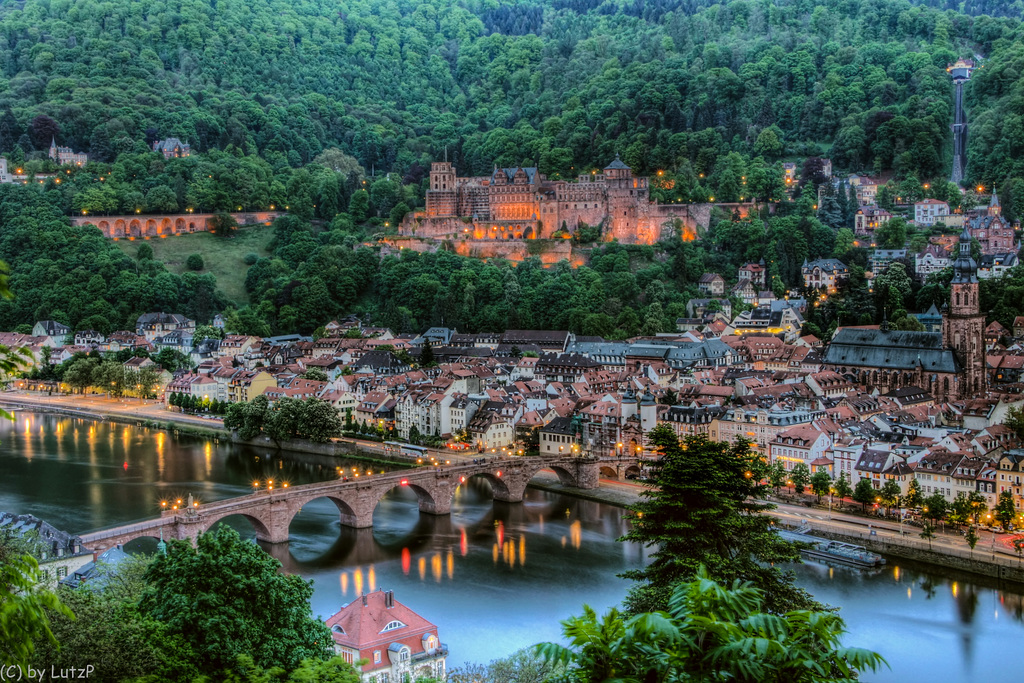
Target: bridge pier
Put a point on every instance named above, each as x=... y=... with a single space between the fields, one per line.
x=359 y=520
x=439 y=505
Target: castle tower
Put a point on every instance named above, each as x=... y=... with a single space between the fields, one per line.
x=963 y=328
x=624 y=196
x=53 y=148
x=441 y=198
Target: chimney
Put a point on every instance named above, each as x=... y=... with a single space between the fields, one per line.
x=389 y=599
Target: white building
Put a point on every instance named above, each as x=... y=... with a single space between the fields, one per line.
x=930 y=211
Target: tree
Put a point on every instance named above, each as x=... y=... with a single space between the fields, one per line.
x=890 y=494
x=892 y=234
x=315 y=374
x=777 y=475
x=247 y=419
x=222 y=224
x=320 y=421
x=226 y=597
x=107 y=628
x=843 y=488
x=1015 y=420
x=913 y=499
x=161 y=199
x=522 y=666
x=800 y=476
x=935 y=507
x=359 y=206
x=821 y=483
x=864 y=493
x=427 y=355
x=928 y=533
x=25 y=610
x=284 y=420
x=971 y=536
x=195 y=262
x=79 y=374
x=1005 y=509
x=706 y=509
x=709 y=632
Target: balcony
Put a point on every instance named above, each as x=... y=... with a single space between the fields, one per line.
x=426 y=656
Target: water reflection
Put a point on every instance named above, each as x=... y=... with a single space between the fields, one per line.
x=929 y=627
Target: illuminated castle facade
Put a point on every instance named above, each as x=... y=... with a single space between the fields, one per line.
x=521 y=203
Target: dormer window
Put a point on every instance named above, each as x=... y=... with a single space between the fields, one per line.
x=338 y=629
x=392 y=625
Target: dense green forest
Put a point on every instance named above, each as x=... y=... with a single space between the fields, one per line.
x=335 y=110
x=566 y=84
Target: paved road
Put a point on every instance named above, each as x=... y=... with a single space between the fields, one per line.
x=989 y=541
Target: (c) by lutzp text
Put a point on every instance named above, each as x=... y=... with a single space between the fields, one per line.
x=14 y=673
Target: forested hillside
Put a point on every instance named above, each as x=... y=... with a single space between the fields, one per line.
x=563 y=83
x=334 y=110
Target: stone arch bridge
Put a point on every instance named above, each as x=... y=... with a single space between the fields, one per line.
x=139 y=226
x=271 y=512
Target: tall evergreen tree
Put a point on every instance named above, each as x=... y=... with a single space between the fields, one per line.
x=706 y=508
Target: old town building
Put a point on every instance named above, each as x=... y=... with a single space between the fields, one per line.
x=948 y=365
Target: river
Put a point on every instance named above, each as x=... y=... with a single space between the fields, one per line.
x=493 y=576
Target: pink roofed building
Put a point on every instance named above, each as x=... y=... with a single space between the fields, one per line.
x=397 y=644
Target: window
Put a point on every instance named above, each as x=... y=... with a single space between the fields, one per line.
x=376 y=656
x=392 y=625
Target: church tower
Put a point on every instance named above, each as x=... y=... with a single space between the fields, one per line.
x=963 y=328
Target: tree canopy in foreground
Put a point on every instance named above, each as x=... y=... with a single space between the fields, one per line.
x=706 y=509
x=709 y=633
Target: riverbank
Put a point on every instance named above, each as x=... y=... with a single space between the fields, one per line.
x=986 y=560
x=155 y=415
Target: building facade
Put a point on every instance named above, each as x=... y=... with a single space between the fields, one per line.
x=396 y=644
x=522 y=203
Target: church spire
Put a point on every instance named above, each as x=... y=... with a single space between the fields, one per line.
x=965 y=269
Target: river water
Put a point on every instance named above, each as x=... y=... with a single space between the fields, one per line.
x=493 y=576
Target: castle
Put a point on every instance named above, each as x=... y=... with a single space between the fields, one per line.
x=521 y=203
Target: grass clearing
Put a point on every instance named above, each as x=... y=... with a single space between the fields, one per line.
x=224 y=258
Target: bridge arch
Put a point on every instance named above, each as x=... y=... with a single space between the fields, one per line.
x=499 y=486
x=609 y=472
x=429 y=501
x=348 y=515
x=565 y=476
x=262 y=529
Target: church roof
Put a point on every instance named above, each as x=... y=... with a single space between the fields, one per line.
x=994 y=202
x=890 y=350
x=616 y=164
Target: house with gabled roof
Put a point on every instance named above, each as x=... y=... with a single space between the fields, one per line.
x=396 y=644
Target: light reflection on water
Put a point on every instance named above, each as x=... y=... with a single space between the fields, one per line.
x=494 y=576
x=929 y=627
